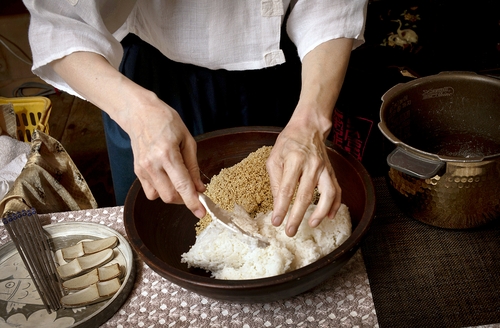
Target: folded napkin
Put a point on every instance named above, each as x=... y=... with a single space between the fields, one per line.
x=13 y=157
x=49 y=182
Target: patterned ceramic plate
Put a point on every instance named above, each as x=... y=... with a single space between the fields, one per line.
x=20 y=304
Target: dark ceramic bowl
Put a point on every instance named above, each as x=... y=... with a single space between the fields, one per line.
x=161 y=232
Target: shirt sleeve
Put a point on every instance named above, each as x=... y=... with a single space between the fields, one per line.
x=61 y=27
x=312 y=22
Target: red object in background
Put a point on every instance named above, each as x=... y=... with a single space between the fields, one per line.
x=351 y=133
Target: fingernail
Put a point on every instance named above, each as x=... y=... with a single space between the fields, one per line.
x=276 y=221
x=291 y=230
x=315 y=223
x=198 y=214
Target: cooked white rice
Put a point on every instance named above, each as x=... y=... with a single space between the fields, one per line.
x=229 y=255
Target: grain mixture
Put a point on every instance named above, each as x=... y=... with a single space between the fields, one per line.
x=245 y=183
x=244 y=190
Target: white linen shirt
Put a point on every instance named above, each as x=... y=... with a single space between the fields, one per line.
x=216 y=34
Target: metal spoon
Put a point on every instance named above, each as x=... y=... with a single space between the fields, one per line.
x=225 y=218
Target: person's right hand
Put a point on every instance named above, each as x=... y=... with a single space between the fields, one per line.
x=164 y=151
x=165 y=155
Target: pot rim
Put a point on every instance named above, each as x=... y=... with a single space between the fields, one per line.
x=432 y=156
x=401 y=87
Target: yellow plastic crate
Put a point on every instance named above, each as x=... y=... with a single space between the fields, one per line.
x=31 y=113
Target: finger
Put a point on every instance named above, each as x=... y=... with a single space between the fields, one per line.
x=301 y=203
x=275 y=172
x=274 y=167
x=191 y=162
x=324 y=207
x=149 y=190
x=303 y=198
x=183 y=183
x=161 y=186
x=191 y=199
x=284 y=183
x=337 y=200
x=155 y=181
x=329 y=201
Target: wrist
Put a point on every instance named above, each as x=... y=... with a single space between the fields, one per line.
x=313 y=118
x=131 y=107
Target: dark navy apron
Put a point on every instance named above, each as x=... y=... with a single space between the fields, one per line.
x=206 y=99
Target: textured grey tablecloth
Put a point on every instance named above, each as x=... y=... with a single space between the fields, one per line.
x=344 y=300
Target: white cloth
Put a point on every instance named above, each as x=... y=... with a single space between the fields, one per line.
x=217 y=34
x=13 y=158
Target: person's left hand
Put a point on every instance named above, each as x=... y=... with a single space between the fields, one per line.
x=299 y=157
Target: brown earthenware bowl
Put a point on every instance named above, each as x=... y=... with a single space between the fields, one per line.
x=161 y=232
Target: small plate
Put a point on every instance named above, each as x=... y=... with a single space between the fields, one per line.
x=20 y=304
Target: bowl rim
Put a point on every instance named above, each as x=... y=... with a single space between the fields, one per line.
x=183 y=277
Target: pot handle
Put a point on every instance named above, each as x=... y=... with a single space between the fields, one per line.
x=414 y=165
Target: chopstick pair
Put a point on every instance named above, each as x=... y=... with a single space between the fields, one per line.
x=32 y=243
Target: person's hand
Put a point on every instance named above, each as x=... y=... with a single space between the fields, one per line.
x=165 y=156
x=299 y=157
x=164 y=151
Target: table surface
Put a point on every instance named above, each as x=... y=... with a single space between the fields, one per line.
x=344 y=300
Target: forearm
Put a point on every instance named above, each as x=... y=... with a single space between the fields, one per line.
x=323 y=71
x=164 y=151
x=91 y=76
